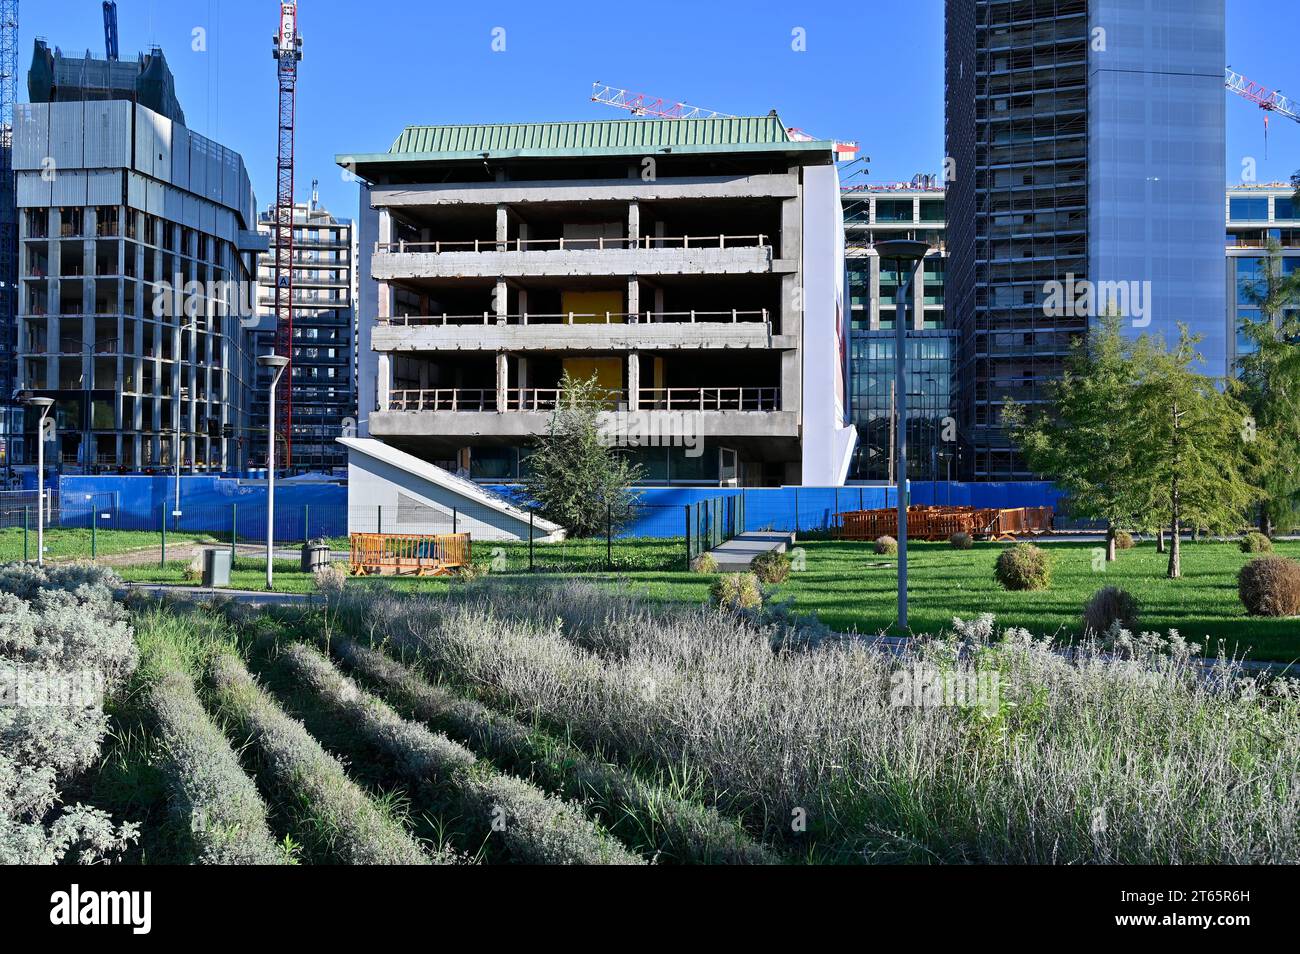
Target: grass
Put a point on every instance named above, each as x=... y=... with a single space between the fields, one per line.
x=851 y=588
x=76 y=544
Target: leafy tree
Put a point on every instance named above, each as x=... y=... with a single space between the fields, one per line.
x=1269 y=376
x=1084 y=440
x=575 y=477
x=1191 y=462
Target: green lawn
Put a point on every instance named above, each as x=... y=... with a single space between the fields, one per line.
x=850 y=587
x=76 y=544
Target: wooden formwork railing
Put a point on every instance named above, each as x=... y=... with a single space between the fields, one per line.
x=416 y=554
x=940 y=523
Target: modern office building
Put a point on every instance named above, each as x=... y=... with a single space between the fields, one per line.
x=136 y=243
x=1085 y=145
x=913 y=210
x=1257 y=215
x=694 y=267
x=324 y=394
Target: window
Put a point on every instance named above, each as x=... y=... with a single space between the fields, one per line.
x=1244 y=209
x=1283 y=207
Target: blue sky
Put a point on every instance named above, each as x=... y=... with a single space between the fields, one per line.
x=871 y=71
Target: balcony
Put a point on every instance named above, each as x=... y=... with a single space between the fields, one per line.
x=546 y=399
x=731 y=412
x=579 y=331
x=489 y=258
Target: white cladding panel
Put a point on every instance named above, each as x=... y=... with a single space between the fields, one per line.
x=31 y=135
x=107 y=135
x=66 y=123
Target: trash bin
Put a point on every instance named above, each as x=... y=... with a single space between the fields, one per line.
x=315 y=555
x=216 y=566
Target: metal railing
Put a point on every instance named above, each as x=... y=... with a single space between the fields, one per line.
x=546 y=399
x=562 y=244
x=734 y=316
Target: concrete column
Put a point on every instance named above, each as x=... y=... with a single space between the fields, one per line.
x=501 y=301
x=383 y=380
x=634 y=221
x=659 y=299
x=522 y=296
x=503 y=226
x=791 y=380
x=522 y=364
x=873 y=317
x=503 y=379
x=633 y=380
x=633 y=297
x=918 y=298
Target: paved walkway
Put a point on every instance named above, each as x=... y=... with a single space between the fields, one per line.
x=207 y=594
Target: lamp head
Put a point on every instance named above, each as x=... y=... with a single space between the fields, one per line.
x=909 y=250
x=272 y=360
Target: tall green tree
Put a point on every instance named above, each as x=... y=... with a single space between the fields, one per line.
x=1083 y=439
x=1269 y=377
x=575 y=476
x=1191 y=461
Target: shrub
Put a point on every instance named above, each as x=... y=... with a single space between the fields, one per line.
x=824 y=729
x=193 y=571
x=1256 y=542
x=736 y=591
x=1024 y=567
x=534 y=828
x=330 y=580
x=1270 y=586
x=65 y=642
x=961 y=540
x=351 y=824
x=771 y=567
x=886 y=545
x=1109 y=605
x=1124 y=540
x=657 y=820
x=474 y=570
x=704 y=563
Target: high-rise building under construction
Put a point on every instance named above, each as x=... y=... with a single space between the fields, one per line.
x=1085 y=174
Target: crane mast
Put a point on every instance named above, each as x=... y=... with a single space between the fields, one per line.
x=287 y=53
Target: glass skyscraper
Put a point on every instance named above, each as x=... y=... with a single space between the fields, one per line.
x=1086 y=144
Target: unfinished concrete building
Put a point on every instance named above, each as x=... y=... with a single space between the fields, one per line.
x=693 y=267
x=135 y=248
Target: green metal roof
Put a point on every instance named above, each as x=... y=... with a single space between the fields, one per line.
x=597 y=138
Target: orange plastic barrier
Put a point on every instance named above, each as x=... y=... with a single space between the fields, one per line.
x=415 y=554
x=940 y=523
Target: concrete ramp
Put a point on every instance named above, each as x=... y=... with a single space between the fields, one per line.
x=735 y=555
x=391 y=491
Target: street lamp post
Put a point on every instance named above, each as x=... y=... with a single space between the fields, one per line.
x=43 y=404
x=277 y=363
x=177 y=399
x=908 y=254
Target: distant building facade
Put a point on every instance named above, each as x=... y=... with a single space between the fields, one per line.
x=913 y=210
x=324 y=398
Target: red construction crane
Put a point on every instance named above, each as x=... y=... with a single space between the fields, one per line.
x=1269 y=100
x=287 y=53
x=642 y=104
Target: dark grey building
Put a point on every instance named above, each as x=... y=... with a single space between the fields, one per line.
x=1086 y=156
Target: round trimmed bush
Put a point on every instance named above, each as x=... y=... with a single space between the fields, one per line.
x=1256 y=542
x=771 y=567
x=704 y=563
x=1270 y=586
x=886 y=545
x=736 y=591
x=1107 y=606
x=1123 y=540
x=1024 y=567
x=961 y=540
